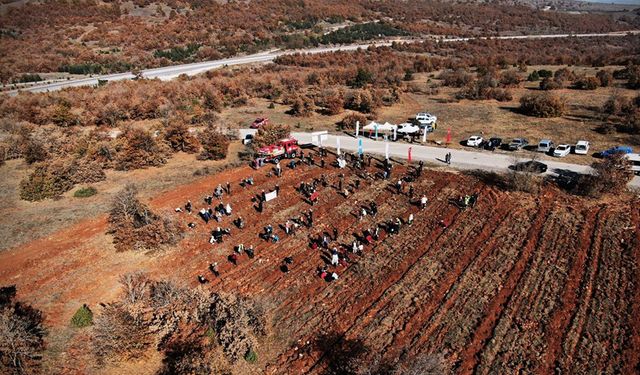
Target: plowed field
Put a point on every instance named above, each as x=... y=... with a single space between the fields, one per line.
x=544 y=283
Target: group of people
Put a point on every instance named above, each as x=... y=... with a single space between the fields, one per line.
x=338 y=256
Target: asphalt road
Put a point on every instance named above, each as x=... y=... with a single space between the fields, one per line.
x=170 y=72
x=460 y=159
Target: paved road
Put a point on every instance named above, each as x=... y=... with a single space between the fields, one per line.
x=460 y=159
x=170 y=72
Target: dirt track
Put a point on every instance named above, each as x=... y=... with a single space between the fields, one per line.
x=516 y=283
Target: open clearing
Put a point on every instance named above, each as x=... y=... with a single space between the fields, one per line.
x=531 y=283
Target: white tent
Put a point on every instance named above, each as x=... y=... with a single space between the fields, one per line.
x=387 y=127
x=372 y=126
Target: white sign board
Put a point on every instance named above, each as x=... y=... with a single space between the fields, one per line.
x=270 y=196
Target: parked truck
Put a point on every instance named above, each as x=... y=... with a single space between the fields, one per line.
x=283 y=149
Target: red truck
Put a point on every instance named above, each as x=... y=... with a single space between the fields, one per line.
x=284 y=148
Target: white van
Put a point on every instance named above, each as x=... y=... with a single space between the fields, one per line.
x=634 y=159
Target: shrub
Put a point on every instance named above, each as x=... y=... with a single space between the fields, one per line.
x=633 y=74
x=609 y=176
x=21 y=334
x=533 y=76
x=302 y=106
x=348 y=122
x=542 y=105
x=237 y=321
x=586 y=83
x=605 y=77
x=82 y=318
x=363 y=77
x=251 y=356
x=137 y=148
x=458 y=78
x=179 y=138
x=34 y=152
x=120 y=333
x=543 y=73
x=510 y=78
x=134 y=226
x=85 y=192
x=58 y=177
x=564 y=75
x=549 y=84
x=270 y=134
x=215 y=145
x=365 y=101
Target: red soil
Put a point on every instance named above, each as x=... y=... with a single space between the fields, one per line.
x=500 y=276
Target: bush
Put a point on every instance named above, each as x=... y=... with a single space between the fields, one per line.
x=586 y=83
x=458 y=78
x=34 y=152
x=549 y=84
x=633 y=74
x=53 y=179
x=179 y=138
x=543 y=73
x=21 y=334
x=605 y=78
x=302 y=106
x=510 y=78
x=134 y=226
x=348 y=122
x=533 y=76
x=120 y=333
x=542 y=105
x=365 y=101
x=270 y=134
x=137 y=148
x=85 y=192
x=251 y=356
x=82 y=318
x=609 y=176
x=363 y=77
x=215 y=145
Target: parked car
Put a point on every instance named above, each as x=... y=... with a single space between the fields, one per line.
x=426 y=118
x=545 y=146
x=634 y=160
x=260 y=121
x=517 y=144
x=492 y=143
x=616 y=150
x=474 y=141
x=562 y=151
x=531 y=166
x=247 y=139
x=582 y=148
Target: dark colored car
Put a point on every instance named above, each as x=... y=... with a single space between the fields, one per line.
x=531 y=166
x=517 y=144
x=492 y=143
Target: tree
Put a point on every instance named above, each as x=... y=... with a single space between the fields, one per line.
x=120 y=332
x=177 y=134
x=533 y=76
x=215 y=145
x=302 y=106
x=363 y=77
x=34 y=151
x=21 y=334
x=586 y=83
x=138 y=148
x=609 y=176
x=134 y=226
x=270 y=134
x=542 y=105
x=348 y=122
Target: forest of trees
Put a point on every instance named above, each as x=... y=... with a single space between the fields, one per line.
x=99 y=37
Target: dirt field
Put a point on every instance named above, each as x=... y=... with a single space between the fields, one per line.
x=520 y=283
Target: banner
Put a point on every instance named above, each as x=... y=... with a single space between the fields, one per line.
x=360 y=151
x=448 y=135
x=395 y=133
x=409 y=154
x=270 y=196
x=338 y=145
x=424 y=135
x=357 y=128
x=376 y=127
x=386 y=150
